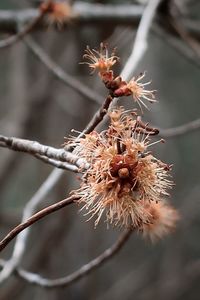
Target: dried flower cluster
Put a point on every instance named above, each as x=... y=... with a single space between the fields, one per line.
x=57 y=12
x=100 y=60
x=103 y=63
x=125 y=181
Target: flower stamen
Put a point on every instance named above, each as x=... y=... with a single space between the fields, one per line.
x=100 y=60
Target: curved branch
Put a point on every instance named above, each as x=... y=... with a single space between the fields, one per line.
x=48 y=184
x=58 y=164
x=98 y=117
x=43 y=152
x=29 y=210
x=21 y=33
x=177 y=45
x=83 y=271
x=140 y=43
x=180 y=130
x=36 y=217
x=57 y=71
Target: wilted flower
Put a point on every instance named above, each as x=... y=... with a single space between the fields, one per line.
x=124 y=179
x=100 y=60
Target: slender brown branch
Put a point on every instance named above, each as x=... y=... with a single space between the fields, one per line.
x=43 y=152
x=180 y=130
x=98 y=117
x=60 y=74
x=28 y=211
x=42 y=192
x=80 y=273
x=47 y=185
x=35 y=218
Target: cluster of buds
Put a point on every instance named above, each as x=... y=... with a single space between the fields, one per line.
x=125 y=182
x=57 y=12
x=103 y=63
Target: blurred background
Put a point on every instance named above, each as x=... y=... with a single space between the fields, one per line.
x=37 y=106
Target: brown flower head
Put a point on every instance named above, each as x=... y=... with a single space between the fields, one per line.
x=58 y=12
x=162 y=220
x=123 y=177
x=100 y=60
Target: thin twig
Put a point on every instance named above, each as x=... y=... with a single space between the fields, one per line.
x=185 y=36
x=41 y=151
x=57 y=173
x=140 y=44
x=175 y=43
x=69 y=80
x=83 y=14
x=83 y=271
x=30 y=207
x=58 y=164
x=48 y=184
x=99 y=115
x=35 y=218
x=45 y=188
x=180 y=130
x=21 y=33
x=181 y=30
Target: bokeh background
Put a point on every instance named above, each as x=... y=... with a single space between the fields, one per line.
x=36 y=106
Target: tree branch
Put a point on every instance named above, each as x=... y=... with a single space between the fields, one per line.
x=28 y=211
x=43 y=152
x=45 y=188
x=35 y=218
x=98 y=117
x=83 y=271
x=177 y=44
x=60 y=74
x=21 y=33
x=83 y=14
x=180 y=29
x=58 y=164
x=180 y=130
x=140 y=43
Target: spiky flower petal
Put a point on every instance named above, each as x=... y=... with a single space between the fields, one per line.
x=124 y=178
